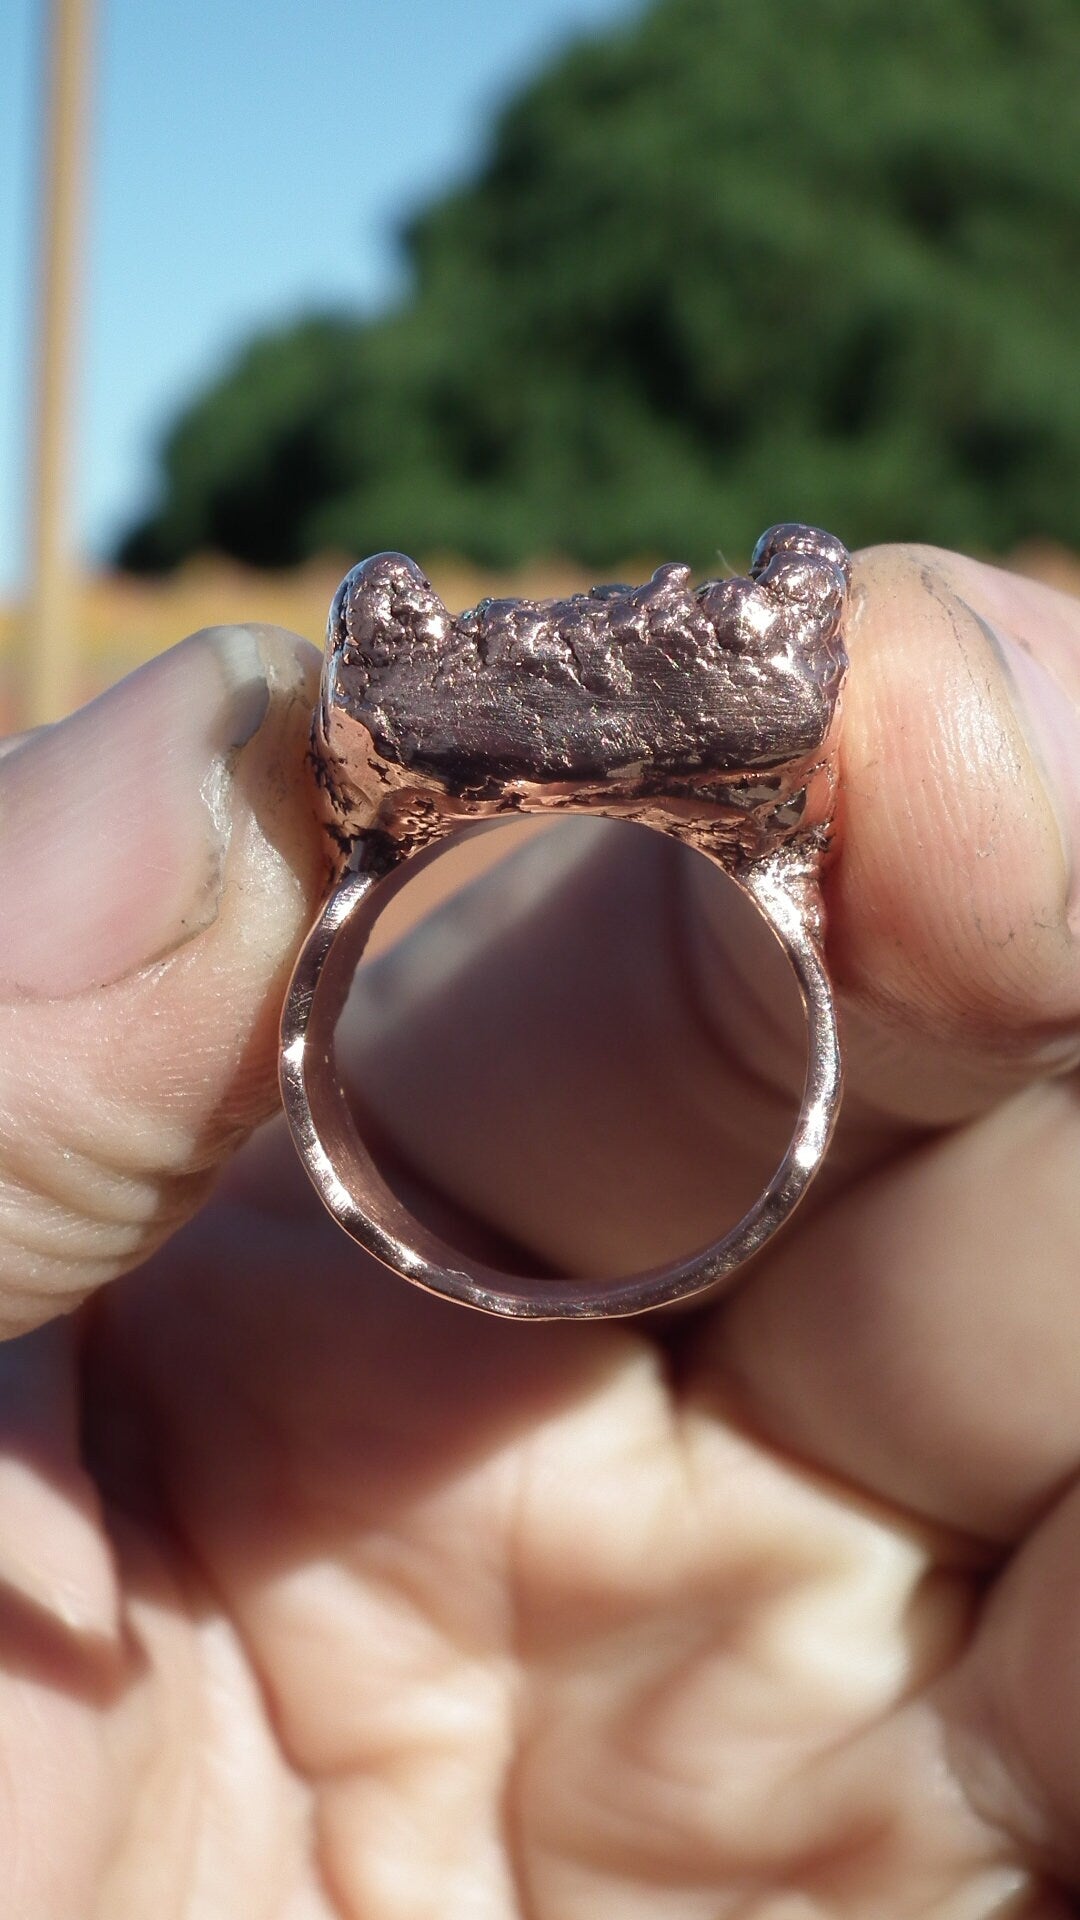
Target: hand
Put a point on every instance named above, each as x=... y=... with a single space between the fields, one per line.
x=321 y=1598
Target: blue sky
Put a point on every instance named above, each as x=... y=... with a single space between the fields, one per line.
x=250 y=158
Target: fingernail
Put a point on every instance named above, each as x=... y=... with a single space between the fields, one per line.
x=1035 y=632
x=114 y=824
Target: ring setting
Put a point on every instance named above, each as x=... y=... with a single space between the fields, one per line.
x=709 y=713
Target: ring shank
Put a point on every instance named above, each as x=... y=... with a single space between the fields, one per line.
x=352 y=1188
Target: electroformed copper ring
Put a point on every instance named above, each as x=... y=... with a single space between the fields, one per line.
x=709 y=713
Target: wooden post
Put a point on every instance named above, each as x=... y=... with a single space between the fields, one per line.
x=50 y=663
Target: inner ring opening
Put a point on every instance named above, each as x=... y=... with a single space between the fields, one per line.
x=587 y=1063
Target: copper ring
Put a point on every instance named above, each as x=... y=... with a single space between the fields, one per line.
x=708 y=713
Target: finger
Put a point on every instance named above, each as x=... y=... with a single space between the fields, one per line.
x=156 y=873
x=920 y=1335
x=1013 y=1706
x=955 y=910
x=54 y=1559
x=576 y=1054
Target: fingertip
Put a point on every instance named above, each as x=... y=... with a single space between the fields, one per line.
x=115 y=823
x=949 y=906
x=160 y=860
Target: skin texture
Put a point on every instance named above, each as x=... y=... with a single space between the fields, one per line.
x=319 y=1598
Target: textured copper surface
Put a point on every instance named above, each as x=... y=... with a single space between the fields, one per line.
x=711 y=710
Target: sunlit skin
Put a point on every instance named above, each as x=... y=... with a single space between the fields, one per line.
x=321 y=1598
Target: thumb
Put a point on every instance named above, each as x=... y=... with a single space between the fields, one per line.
x=156 y=875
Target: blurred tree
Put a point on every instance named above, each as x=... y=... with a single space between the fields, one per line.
x=726 y=265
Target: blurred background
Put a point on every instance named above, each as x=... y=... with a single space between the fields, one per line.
x=538 y=292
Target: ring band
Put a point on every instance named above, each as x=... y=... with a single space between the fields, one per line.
x=399 y=778
x=351 y=1187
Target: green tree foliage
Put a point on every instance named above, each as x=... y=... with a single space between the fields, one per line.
x=736 y=262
